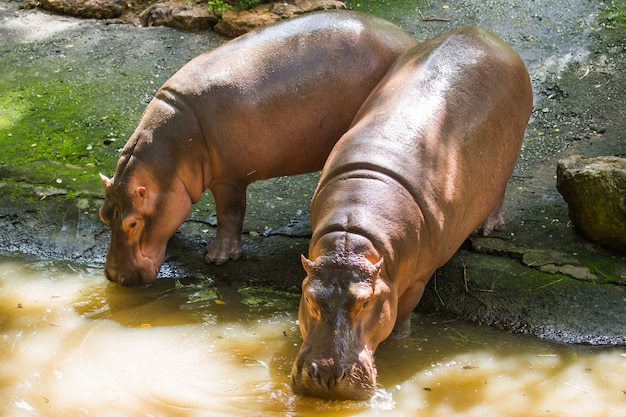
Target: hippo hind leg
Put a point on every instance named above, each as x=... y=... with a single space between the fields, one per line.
x=230 y=203
x=495 y=222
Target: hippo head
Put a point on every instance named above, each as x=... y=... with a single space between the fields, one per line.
x=346 y=310
x=143 y=214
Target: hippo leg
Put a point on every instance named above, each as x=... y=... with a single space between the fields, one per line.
x=495 y=221
x=230 y=202
x=406 y=304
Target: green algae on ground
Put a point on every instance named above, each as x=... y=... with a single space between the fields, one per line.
x=614 y=16
x=51 y=120
x=387 y=9
x=201 y=293
x=255 y=297
x=58 y=122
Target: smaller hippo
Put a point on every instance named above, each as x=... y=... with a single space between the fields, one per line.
x=270 y=103
x=425 y=163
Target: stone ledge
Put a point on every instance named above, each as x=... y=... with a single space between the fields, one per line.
x=193 y=15
x=550 y=261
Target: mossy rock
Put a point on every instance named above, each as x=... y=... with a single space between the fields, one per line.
x=595 y=191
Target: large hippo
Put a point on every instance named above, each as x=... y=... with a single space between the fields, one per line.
x=425 y=163
x=268 y=104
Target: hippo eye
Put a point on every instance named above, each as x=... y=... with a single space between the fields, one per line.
x=130 y=224
x=366 y=303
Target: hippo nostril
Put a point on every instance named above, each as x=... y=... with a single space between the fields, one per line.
x=342 y=371
x=324 y=375
x=314 y=371
x=122 y=280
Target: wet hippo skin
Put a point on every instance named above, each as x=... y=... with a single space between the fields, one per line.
x=270 y=103
x=425 y=163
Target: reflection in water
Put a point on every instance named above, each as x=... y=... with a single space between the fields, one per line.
x=74 y=344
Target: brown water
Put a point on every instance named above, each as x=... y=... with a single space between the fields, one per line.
x=75 y=345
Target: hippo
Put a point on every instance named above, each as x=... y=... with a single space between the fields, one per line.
x=270 y=103
x=424 y=164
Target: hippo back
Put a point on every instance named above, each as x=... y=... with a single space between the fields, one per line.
x=445 y=125
x=285 y=94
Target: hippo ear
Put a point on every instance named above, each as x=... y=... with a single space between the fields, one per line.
x=141 y=192
x=106 y=181
x=306 y=264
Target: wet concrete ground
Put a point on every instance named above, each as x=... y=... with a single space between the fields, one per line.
x=538 y=277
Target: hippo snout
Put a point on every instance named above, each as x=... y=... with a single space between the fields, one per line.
x=131 y=275
x=333 y=380
x=122 y=279
x=327 y=376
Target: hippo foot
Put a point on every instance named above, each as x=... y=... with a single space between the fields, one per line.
x=495 y=222
x=402 y=329
x=220 y=254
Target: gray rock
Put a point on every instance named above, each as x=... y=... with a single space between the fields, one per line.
x=90 y=9
x=192 y=16
x=236 y=23
x=595 y=192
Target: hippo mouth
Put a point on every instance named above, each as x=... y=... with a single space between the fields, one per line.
x=154 y=272
x=330 y=380
x=353 y=386
x=145 y=272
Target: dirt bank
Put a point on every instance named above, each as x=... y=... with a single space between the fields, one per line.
x=538 y=277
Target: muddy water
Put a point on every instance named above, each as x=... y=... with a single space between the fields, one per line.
x=75 y=345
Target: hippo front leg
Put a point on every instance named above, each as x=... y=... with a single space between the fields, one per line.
x=230 y=203
x=406 y=304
